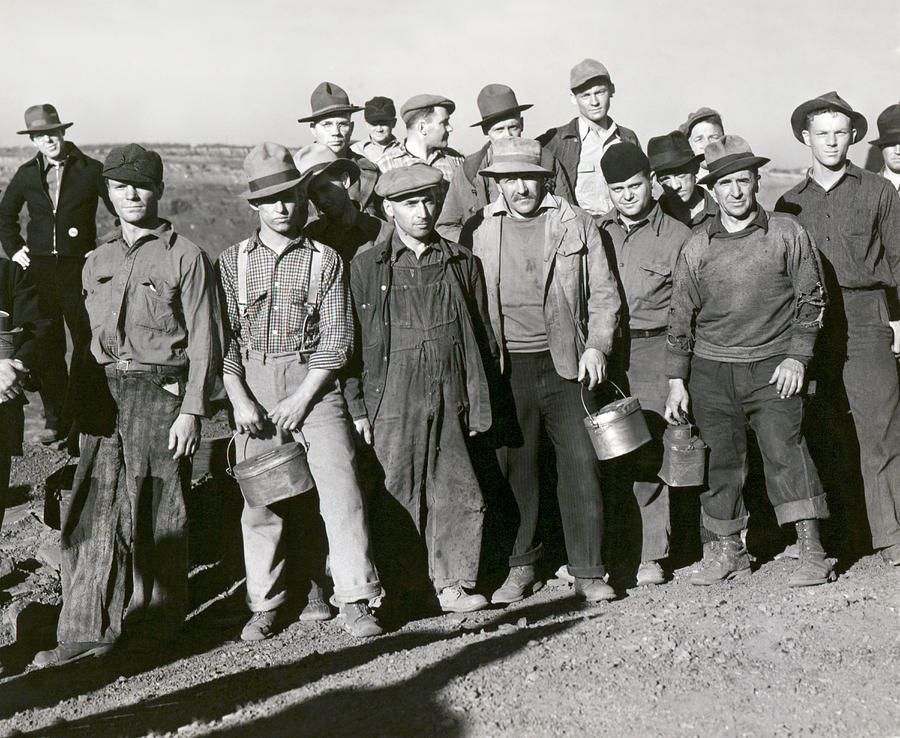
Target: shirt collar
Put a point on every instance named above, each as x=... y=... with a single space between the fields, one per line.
x=163 y=232
x=892 y=177
x=585 y=128
x=760 y=220
x=501 y=207
x=850 y=171
x=654 y=219
x=398 y=246
x=46 y=164
x=299 y=241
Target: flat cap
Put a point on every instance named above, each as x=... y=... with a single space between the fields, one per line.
x=622 y=161
x=380 y=110
x=420 y=102
x=585 y=71
x=698 y=115
x=133 y=164
x=396 y=184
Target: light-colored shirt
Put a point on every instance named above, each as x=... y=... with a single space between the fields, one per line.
x=52 y=171
x=591 y=190
x=446 y=160
x=522 y=283
x=374 y=151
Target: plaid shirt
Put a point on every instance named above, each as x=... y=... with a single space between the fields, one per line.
x=276 y=298
x=446 y=160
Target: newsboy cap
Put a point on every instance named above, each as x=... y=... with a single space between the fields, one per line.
x=698 y=115
x=585 y=71
x=397 y=184
x=380 y=110
x=622 y=161
x=828 y=101
x=888 y=127
x=328 y=99
x=515 y=156
x=42 y=118
x=671 y=153
x=270 y=169
x=133 y=164
x=728 y=155
x=420 y=102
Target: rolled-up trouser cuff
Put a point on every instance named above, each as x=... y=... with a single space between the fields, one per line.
x=588 y=572
x=369 y=592
x=441 y=584
x=527 y=558
x=812 y=508
x=264 y=605
x=724 y=527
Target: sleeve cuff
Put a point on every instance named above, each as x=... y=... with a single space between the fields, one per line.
x=331 y=360
x=678 y=366
x=194 y=405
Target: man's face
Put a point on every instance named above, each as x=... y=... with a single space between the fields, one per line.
x=681 y=184
x=891 y=156
x=436 y=129
x=49 y=143
x=282 y=212
x=381 y=132
x=522 y=192
x=329 y=193
x=829 y=136
x=510 y=128
x=632 y=197
x=736 y=193
x=135 y=204
x=703 y=134
x=593 y=101
x=333 y=132
x=414 y=215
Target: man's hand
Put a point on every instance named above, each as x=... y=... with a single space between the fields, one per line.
x=788 y=378
x=184 y=435
x=677 y=403
x=249 y=416
x=290 y=412
x=12 y=373
x=21 y=257
x=364 y=428
x=895 y=344
x=592 y=365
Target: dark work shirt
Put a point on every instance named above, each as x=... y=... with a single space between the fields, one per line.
x=522 y=283
x=672 y=205
x=856 y=227
x=347 y=239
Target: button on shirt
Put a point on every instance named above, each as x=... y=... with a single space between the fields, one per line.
x=646 y=255
x=277 y=292
x=155 y=303
x=591 y=190
x=855 y=225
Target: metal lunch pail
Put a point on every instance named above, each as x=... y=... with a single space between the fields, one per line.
x=617 y=428
x=684 y=457
x=274 y=475
x=9 y=337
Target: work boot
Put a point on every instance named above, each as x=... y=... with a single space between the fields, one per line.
x=357 y=619
x=593 y=590
x=456 y=599
x=316 y=608
x=814 y=567
x=729 y=560
x=260 y=626
x=520 y=582
x=650 y=572
x=66 y=653
x=891 y=554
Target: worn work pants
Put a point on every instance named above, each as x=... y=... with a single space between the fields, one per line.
x=726 y=397
x=124 y=536
x=328 y=433
x=543 y=398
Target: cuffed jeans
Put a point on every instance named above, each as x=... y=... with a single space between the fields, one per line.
x=328 y=433
x=725 y=397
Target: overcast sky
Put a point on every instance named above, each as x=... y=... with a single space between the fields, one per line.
x=240 y=72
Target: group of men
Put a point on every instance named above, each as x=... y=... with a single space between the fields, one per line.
x=405 y=314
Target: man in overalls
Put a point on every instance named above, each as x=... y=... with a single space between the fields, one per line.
x=288 y=330
x=422 y=390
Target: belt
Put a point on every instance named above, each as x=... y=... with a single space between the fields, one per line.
x=648 y=333
x=128 y=366
x=270 y=357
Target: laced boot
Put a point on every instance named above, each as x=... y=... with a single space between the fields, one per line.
x=814 y=567
x=729 y=560
x=520 y=582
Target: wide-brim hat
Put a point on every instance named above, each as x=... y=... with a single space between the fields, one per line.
x=498 y=102
x=515 y=156
x=671 y=153
x=829 y=100
x=270 y=170
x=888 y=127
x=728 y=155
x=42 y=118
x=328 y=99
x=317 y=158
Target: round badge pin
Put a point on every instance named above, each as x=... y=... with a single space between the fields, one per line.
x=73 y=231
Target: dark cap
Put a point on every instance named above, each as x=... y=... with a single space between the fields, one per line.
x=828 y=101
x=420 y=102
x=397 y=184
x=133 y=164
x=585 y=71
x=622 y=161
x=380 y=110
x=888 y=127
x=671 y=153
x=697 y=116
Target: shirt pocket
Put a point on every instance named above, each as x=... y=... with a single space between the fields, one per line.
x=858 y=223
x=303 y=327
x=98 y=298
x=154 y=305
x=654 y=278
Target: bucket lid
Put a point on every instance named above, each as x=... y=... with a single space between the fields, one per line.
x=10 y=334
x=616 y=410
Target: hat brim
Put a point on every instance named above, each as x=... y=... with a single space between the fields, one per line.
x=339 y=166
x=736 y=164
x=129 y=176
x=886 y=140
x=45 y=128
x=328 y=112
x=501 y=115
x=502 y=168
x=798 y=118
x=677 y=165
x=271 y=189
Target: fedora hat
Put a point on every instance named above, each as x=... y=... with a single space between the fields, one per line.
x=328 y=99
x=829 y=100
x=888 y=127
x=671 y=153
x=728 y=155
x=515 y=156
x=269 y=169
x=41 y=118
x=318 y=158
x=497 y=102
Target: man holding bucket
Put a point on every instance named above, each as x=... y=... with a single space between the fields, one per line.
x=288 y=330
x=646 y=243
x=746 y=308
x=552 y=301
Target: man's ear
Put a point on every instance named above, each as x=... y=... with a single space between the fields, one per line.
x=805 y=135
x=853 y=138
x=388 y=209
x=345 y=180
x=572 y=98
x=159 y=188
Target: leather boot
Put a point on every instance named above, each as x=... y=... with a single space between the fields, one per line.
x=814 y=567
x=729 y=560
x=520 y=582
